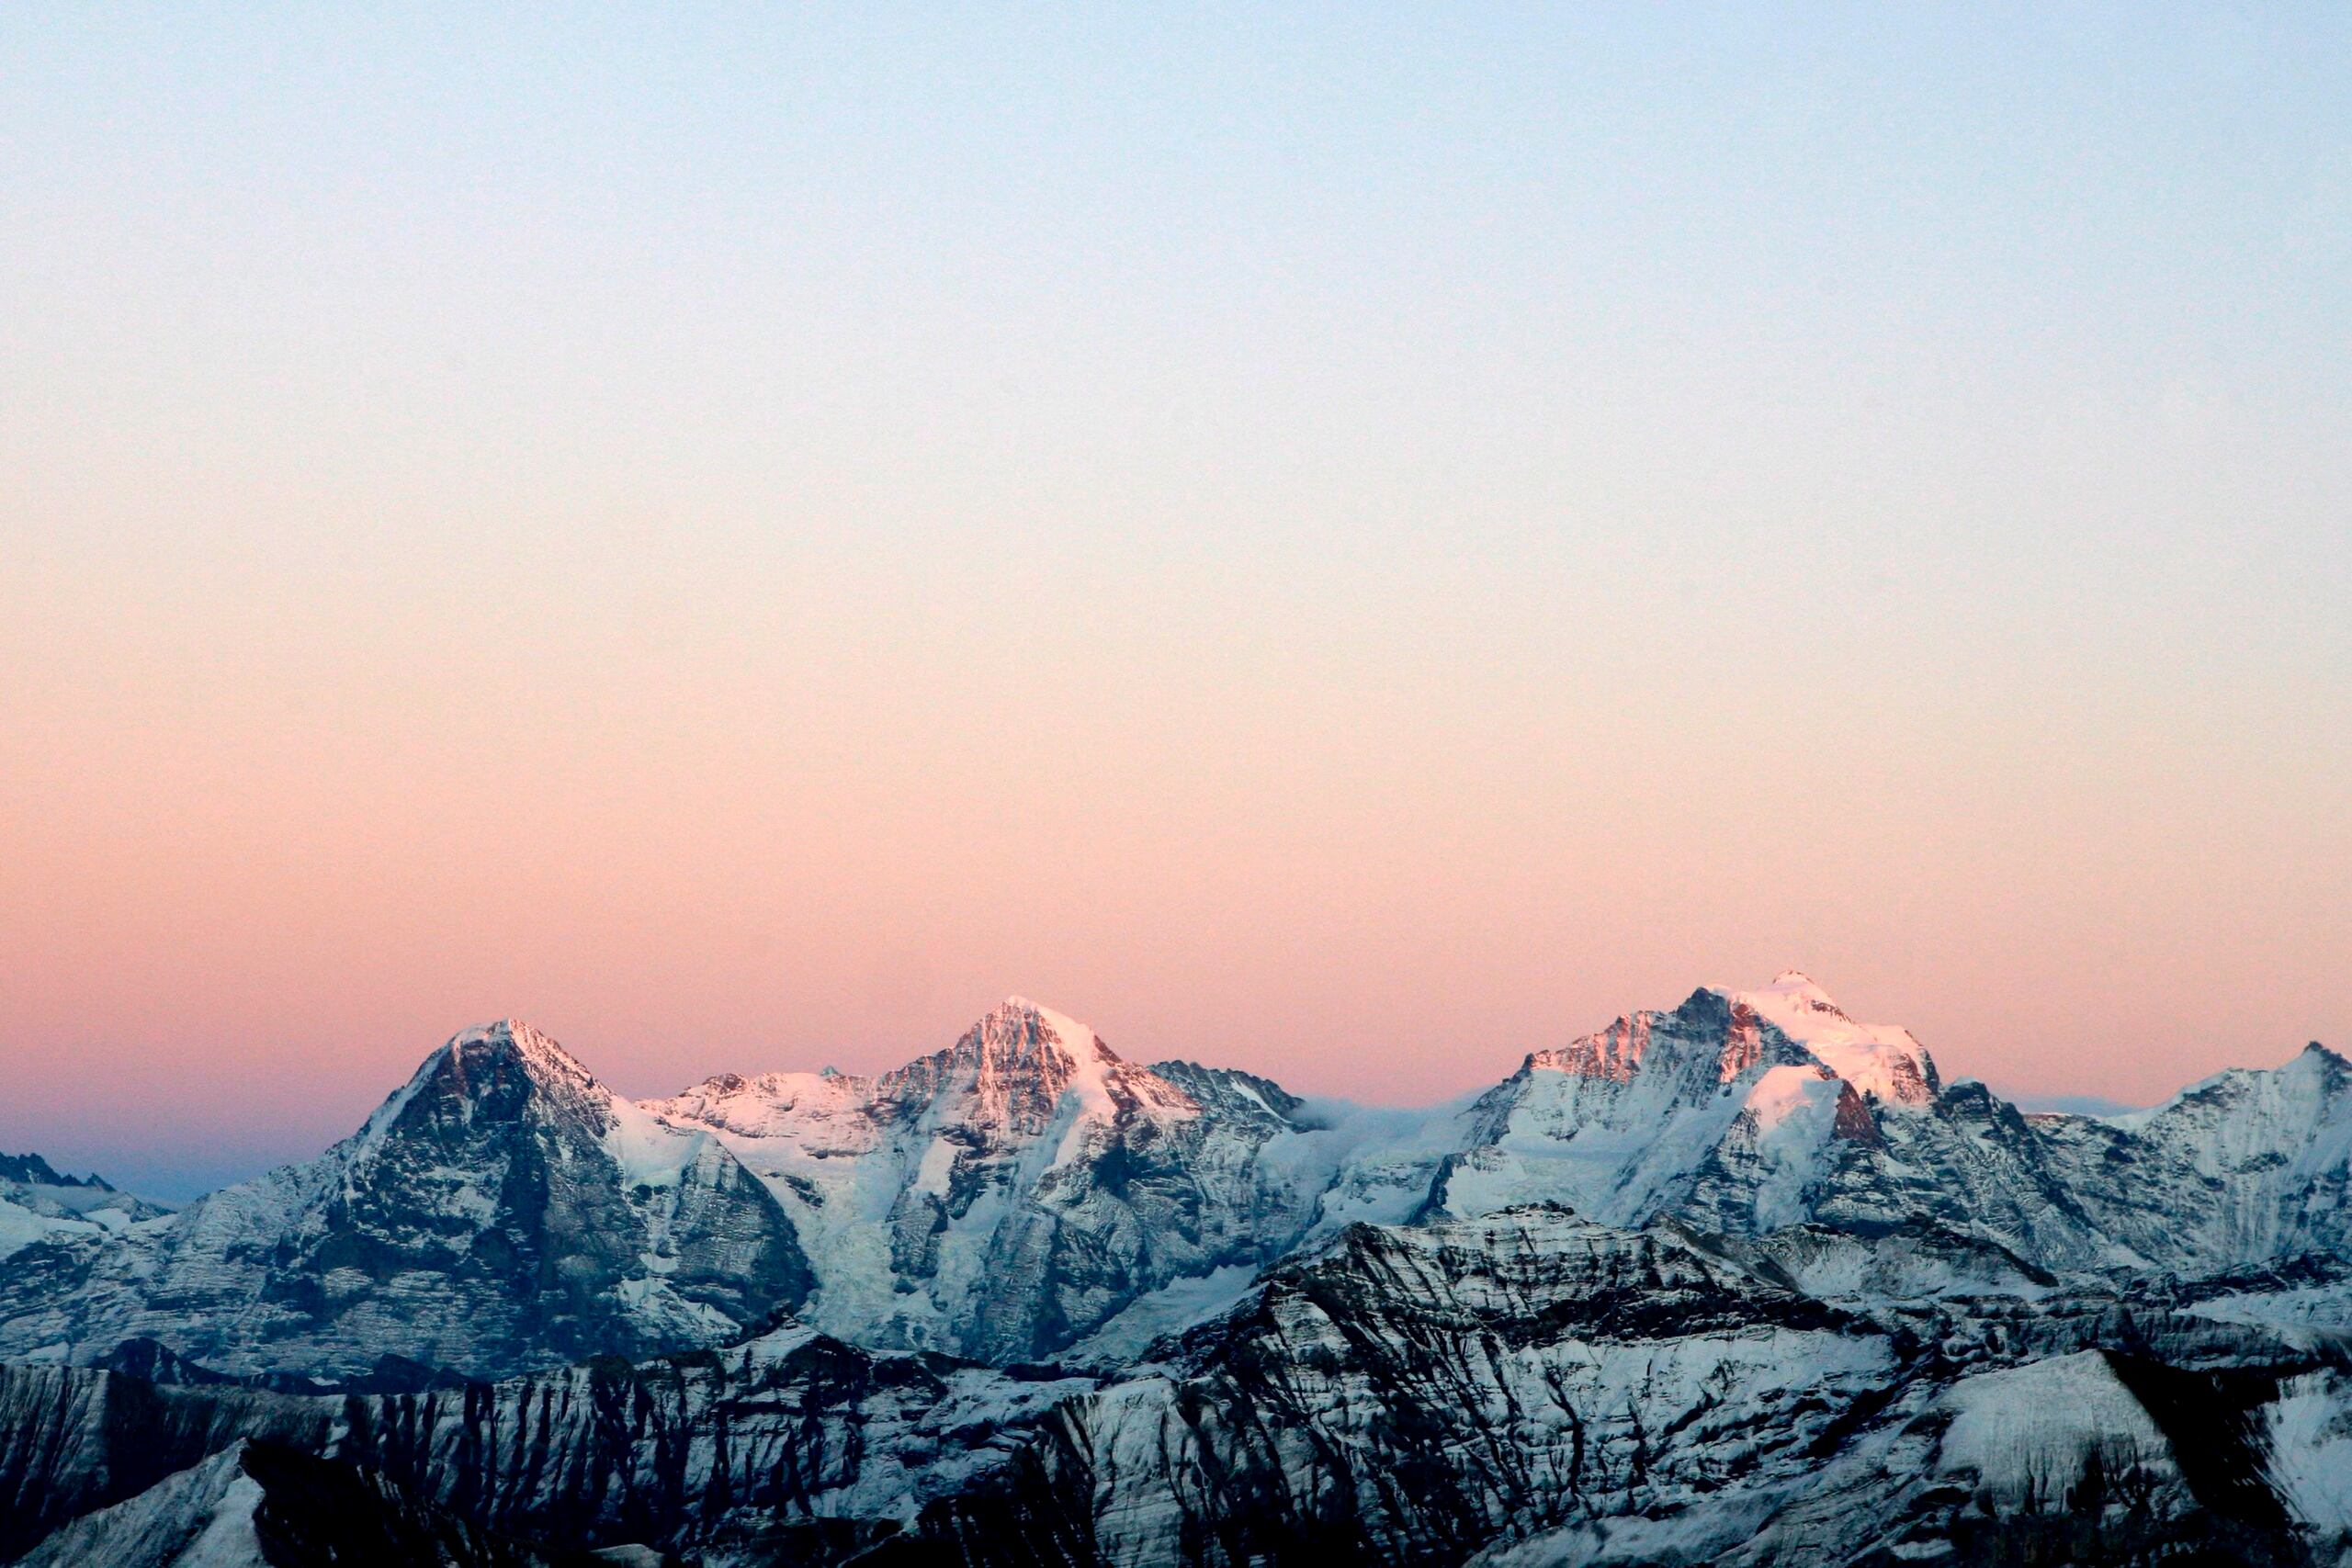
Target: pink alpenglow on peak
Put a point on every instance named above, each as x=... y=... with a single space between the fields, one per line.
x=511 y=1038
x=1883 y=1059
x=1021 y=1067
x=920 y=1192
x=1879 y=1059
x=1615 y=1052
x=1618 y=1052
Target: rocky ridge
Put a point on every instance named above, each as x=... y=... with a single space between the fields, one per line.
x=1739 y=1281
x=502 y=1208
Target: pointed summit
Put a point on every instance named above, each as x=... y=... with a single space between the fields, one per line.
x=500 y=1072
x=1711 y=1038
x=1799 y=991
x=1025 y=1024
x=1018 y=1041
x=1883 y=1059
x=511 y=1039
x=1010 y=1067
x=1013 y=1072
x=36 y=1171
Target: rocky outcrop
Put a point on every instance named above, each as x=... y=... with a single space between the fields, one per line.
x=791 y=1447
x=1530 y=1388
x=1007 y=1196
x=74 y=1441
x=503 y=1209
x=261 y=1505
x=788 y=1446
x=1527 y=1386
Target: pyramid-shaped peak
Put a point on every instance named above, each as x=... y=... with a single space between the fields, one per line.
x=506 y=1062
x=1021 y=1024
x=513 y=1040
x=1884 y=1059
x=509 y=1033
x=1013 y=1067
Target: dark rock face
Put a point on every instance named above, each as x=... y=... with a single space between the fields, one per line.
x=507 y=1173
x=504 y=1210
x=260 y=1505
x=1010 y=1195
x=790 y=1446
x=793 y=1444
x=1532 y=1389
x=1968 y=1160
x=1522 y=1387
x=1417 y=1395
x=34 y=1172
x=315 y=1510
x=1234 y=1095
x=71 y=1441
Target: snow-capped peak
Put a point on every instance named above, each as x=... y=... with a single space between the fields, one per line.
x=475 y=1062
x=1026 y=1025
x=1883 y=1059
x=1032 y=1051
x=527 y=1044
x=1802 y=991
x=650 y=1150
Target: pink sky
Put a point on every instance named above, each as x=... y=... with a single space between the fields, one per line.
x=1349 y=549
x=273 y=845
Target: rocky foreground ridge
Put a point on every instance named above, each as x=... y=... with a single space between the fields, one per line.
x=1742 y=1281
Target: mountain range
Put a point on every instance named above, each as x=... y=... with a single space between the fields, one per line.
x=1741 y=1281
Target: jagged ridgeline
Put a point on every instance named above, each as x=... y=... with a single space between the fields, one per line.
x=1744 y=1281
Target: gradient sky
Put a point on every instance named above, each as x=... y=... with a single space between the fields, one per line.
x=1351 y=542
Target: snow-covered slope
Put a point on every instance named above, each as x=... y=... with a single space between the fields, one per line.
x=1709 y=1107
x=1027 y=1193
x=1879 y=1059
x=1531 y=1388
x=202 y=1517
x=501 y=1210
x=1526 y=1387
x=2091 y=1458
x=2276 y=1147
x=789 y=1447
x=37 y=1203
x=1013 y=1192
x=1749 y=1112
